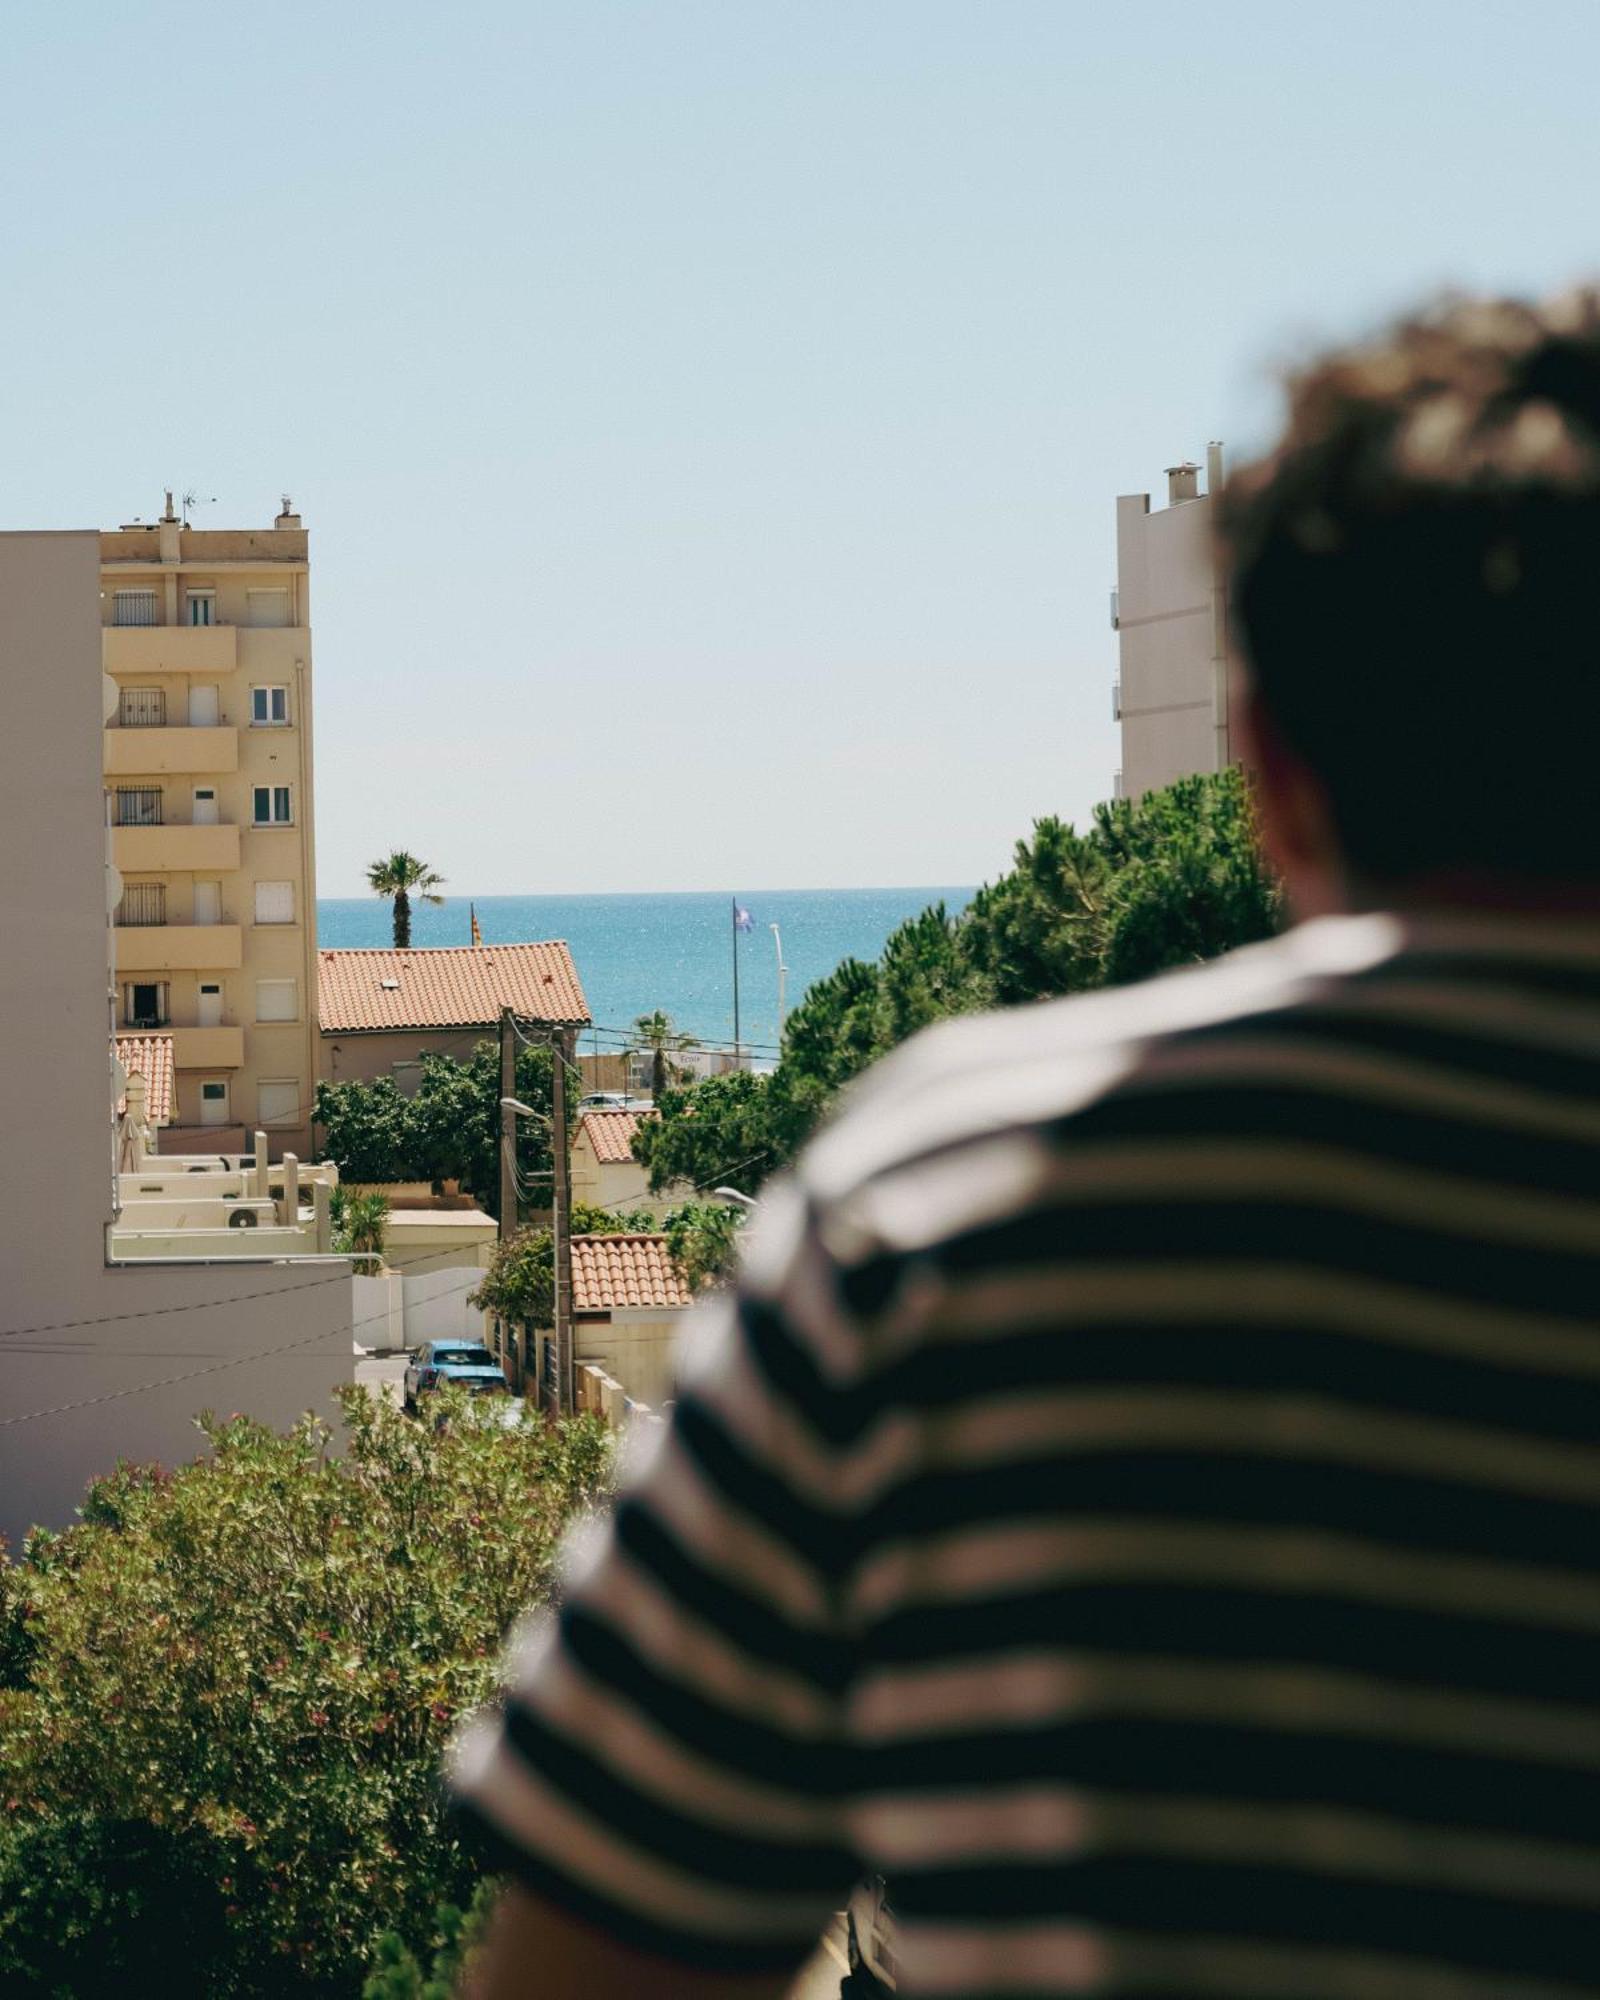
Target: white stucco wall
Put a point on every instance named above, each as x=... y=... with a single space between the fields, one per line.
x=98 y=1363
x=1168 y=614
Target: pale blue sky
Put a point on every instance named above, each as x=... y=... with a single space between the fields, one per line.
x=708 y=414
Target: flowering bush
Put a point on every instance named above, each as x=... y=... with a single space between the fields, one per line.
x=223 y=1698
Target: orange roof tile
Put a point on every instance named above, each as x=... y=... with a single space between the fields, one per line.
x=610 y=1133
x=610 y=1271
x=151 y=1056
x=447 y=986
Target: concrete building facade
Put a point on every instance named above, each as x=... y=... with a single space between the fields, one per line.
x=98 y=1360
x=208 y=774
x=1170 y=617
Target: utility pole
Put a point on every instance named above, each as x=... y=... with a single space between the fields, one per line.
x=734 y=934
x=561 y=1218
x=508 y=1126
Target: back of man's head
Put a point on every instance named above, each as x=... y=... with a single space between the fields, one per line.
x=1414 y=576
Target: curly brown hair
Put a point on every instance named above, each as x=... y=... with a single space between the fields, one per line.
x=1414 y=581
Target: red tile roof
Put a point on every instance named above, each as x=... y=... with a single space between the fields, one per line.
x=447 y=986
x=151 y=1056
x=610 y=1133
x=610 y=1271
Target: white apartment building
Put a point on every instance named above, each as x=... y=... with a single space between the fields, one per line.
x=1169 y=612
x=206 y=633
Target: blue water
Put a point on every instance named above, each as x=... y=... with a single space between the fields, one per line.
x=637 y=953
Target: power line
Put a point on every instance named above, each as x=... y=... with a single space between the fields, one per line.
x=157 y=1312
x=349 y=1327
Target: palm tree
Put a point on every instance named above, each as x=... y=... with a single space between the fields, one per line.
x=397 y=875
x=656 y=1033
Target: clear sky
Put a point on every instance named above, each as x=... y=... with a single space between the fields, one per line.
x=708 y=413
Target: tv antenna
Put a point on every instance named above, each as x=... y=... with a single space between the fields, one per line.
x=191 y=500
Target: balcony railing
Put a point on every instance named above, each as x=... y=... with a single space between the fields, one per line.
x=137 y=805
x=143 y=903
x=143 y=708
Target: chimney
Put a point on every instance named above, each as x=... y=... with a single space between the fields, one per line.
x=1183 y=482
x=287 y=517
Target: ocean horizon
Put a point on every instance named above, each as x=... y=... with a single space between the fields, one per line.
x=671 y=949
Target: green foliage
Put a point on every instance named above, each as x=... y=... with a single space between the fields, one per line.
x=1169 y=881
x=367 y=1130
x=397 y=1975
x=587 y=1220
x=519 y=1286
x=702 y=1240
x=717 y=1133
x=398 y=875
x=450 y=1130
x=220 y=1737
x=661 y=1040
x=359 y=1222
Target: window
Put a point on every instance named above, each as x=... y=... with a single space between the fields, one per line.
x=202 y=607
x=143 y=903
x=269 y=707
x=272 y=806
x=138 y=805
x=143 y=708
x=276 y=1000
x=133 y=607
x=278 y=1103
x=266 y=607
x=274 y=902
x=145 y=1005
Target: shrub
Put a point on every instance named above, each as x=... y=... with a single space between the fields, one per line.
x=225 y=1694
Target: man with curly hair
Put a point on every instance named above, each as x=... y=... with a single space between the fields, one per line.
x=1143 y=1496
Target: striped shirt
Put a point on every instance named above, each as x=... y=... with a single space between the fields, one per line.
x=1143 y=1500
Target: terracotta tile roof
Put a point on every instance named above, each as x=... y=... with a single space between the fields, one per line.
x=612 y=1271
x=446 y=986
x=610 y=1133
x=151 y=1056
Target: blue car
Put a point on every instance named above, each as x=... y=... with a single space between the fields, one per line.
x=466 y=1362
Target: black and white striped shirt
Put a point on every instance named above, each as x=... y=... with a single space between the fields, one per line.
x=1144 y=1501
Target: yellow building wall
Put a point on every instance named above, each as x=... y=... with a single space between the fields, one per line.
x=231 y=756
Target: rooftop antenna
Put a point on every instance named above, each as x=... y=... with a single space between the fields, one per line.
x=191 y=500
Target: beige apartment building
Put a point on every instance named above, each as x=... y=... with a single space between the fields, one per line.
x=208 y=773
x=103 y=1360
x=1170 y=616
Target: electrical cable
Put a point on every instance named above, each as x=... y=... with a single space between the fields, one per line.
x=349 y=1327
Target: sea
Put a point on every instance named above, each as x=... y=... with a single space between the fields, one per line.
x=635 y=953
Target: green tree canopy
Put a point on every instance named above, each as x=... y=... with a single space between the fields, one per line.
x=1170 y=880
x=660 y=1040
x=450 y=1130
x=401 y=875
x=225 y=1693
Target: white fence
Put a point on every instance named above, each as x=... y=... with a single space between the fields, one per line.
x=401 y=1309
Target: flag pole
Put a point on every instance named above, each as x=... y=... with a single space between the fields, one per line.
x=733 y=919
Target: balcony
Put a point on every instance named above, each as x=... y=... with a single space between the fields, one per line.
x=170 y=649
x=207 y=1048
x=177 y=947
x=198 y=850
x=146 y=753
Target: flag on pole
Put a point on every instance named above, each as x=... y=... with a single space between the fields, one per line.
x=477 y=935
x=742 y=919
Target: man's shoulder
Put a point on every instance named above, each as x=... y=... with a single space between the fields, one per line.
x=974 y=1084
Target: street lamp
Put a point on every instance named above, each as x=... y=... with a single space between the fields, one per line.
x=733 y=1194
x=777 y=939
x=524 y=1110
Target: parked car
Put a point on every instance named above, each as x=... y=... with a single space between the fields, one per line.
x=465 y=1362
x=612 y=1100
